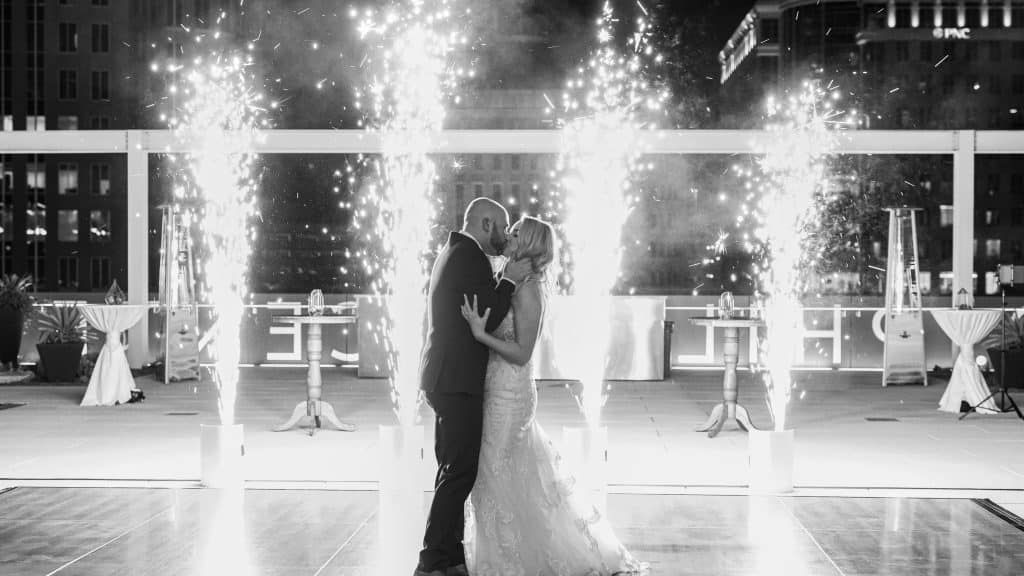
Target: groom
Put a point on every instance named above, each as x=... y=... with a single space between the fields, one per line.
x=452 y=372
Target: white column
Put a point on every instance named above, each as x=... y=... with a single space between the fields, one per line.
x=963 y=210
x=138 y=245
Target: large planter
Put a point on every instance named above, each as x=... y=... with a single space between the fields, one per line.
x=60 y=361
x=12 y=324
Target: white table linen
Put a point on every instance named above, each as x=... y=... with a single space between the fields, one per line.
x=111 y=381
x=965 y=328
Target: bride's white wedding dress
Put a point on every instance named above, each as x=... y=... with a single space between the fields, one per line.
x=525 y=516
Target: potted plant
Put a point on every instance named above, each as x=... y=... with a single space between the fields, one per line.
x=1006 y=340
x=61 y=339
x=15 y=304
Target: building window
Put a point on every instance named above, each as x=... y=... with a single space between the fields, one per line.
x=1018 y=50
x=99 y=277
x=35 y=177
x=68 y=34
x=496 y=192
x=100 y=2
x=100 y=38
x=99 y=226
x=203 y=10
x=1018 y=83
x=68 y=84
x=992 y=247
x=67 y=122
x=1017 y=216
x=1017 y=184
x=926 y=51
x=478 y=161
x=533 y=162
x=995 y=84
x=100 y=179
x=991 y=217
x=67 y=179
x=993 y=184
x=478 y=190
x=100 y=85
x=99 y=123
x=35 y=123
x=946 y=215
x=67 y=225
x=67 y=273
x=496 y=162
x=516 y=161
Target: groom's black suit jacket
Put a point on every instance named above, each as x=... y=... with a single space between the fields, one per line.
x=453 y=361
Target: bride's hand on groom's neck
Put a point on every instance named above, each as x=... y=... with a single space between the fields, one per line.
x=517 y=271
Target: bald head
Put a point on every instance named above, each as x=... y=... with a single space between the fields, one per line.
x=487 y=221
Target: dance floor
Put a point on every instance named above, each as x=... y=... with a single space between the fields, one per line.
x=106 y=531
x=885 y=484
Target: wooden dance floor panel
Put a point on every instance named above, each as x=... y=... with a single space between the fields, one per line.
x=140 y=531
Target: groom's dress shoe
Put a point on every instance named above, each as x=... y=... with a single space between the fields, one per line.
x=458 y=570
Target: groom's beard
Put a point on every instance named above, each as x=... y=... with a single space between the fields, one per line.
x=498 y=243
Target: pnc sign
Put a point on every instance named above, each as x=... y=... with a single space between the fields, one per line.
x=951 y=33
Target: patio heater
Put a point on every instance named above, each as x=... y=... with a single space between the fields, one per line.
x=178 y=295
x=904 y=332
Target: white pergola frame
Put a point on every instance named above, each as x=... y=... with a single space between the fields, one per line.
x=963 y=145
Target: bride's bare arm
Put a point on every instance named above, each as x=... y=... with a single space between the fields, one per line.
x=528 y=309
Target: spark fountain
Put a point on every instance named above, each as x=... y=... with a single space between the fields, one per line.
x=787 y=195
x=217 y=124
x=414 y=73
x=606 y=106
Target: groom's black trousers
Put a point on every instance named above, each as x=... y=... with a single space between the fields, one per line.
x=458 y=429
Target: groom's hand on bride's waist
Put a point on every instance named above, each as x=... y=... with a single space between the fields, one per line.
x=515 y=272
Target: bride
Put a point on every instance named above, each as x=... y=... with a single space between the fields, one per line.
x=525 y=516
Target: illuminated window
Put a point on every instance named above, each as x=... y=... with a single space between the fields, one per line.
x=67 y=179
x=100 y=179
x=99 y=226
x=946 y=215
x=67 y=225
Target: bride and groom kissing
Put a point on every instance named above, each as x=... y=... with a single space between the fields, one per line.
x=524 y=515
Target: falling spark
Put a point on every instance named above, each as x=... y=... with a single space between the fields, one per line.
x=608 y=103
x=939 y=63
x=412 y=74
x=217 y=125
x=787 y=195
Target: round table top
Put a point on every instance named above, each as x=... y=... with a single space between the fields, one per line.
x=726 y=323
x=325 y=319
x=978 y=311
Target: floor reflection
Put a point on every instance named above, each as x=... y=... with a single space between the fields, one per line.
x=102 y=531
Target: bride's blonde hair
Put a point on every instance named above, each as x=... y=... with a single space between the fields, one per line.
x=537 y=244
